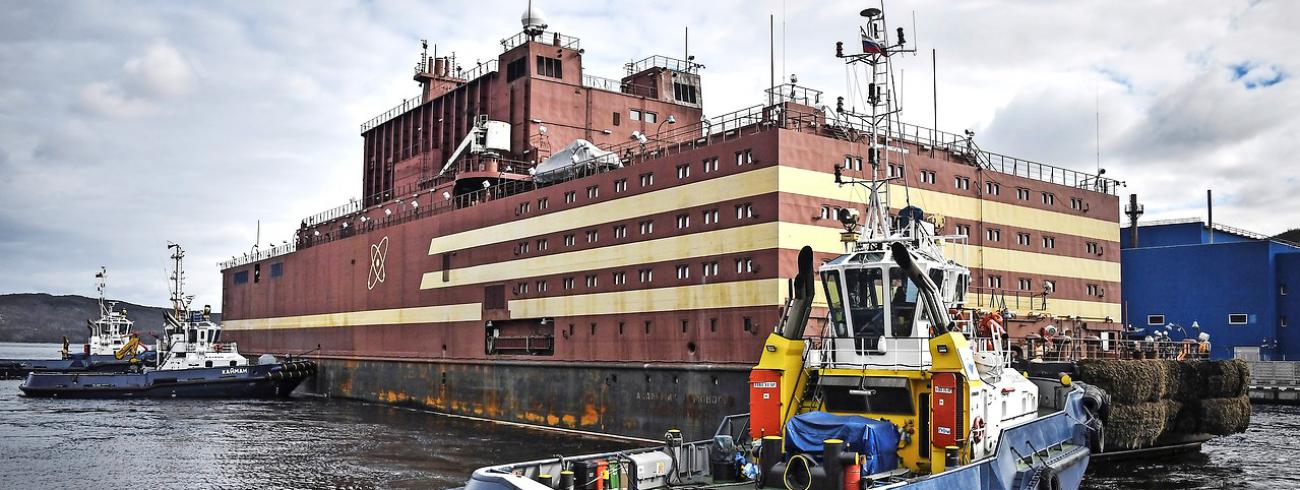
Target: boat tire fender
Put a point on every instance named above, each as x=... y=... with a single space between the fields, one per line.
x=1049 y=480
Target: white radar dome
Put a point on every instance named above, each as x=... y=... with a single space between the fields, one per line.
x=534 y=20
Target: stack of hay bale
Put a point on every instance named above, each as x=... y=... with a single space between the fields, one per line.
x=1156 y=402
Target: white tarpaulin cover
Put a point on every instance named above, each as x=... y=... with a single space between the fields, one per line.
x=579 y=156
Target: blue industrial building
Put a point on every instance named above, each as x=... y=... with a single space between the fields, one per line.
x=1229 y=283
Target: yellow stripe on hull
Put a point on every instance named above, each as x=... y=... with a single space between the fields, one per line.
x=731 y=240
x=396 y=316
x=762 y=292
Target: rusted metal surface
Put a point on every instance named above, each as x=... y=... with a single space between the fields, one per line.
x=631 y=401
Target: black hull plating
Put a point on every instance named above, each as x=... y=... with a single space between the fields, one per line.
x=261 y=381
x=633 y=400
x=19 y=368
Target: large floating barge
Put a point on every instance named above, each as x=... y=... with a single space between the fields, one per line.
x=631 y=289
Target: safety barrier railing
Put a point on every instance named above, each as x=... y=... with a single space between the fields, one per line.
x=659 y=61
x=261 y=254
x=866 y=352
x=611 y=85
x=546 y=37
x=1065 y=348
x=962 y=145
x=727 y=127
x=388 y=115
x=478 y=71
x=1003 y=299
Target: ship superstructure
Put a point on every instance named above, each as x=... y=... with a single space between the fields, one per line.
x=540 y=245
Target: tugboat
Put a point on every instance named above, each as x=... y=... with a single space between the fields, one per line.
x=904 y=389
x=191 y=363
x=105 y=350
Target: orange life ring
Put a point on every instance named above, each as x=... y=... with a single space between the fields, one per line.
x=991 y=323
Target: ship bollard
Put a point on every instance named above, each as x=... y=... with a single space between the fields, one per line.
x=831 y=449
x=840 y=466
x=566 y=480
x=545 y=479
x=769 y=454
x=951 y=456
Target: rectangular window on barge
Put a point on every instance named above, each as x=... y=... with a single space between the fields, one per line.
x=549 y=67
x=241 y=277
x=277 y=269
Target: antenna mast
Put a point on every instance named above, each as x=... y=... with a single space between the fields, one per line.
x=180 y=303
x=102 y=275
x=876 y=50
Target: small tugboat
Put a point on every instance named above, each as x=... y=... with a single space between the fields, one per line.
x=905 y=388
x=105 y=350
x=191 y=363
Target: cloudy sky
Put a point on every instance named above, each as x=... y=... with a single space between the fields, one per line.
x=127 y=124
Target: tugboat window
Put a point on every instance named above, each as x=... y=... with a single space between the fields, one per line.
x=902 y=305
x=831 y=282
x=866 y=310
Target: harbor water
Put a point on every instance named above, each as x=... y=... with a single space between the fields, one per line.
x=309 y=442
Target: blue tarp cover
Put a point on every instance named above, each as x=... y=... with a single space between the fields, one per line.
x=875 y=440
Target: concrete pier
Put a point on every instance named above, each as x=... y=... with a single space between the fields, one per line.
x=1275 y=382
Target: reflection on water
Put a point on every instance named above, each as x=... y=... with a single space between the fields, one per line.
x=317 y=443
x=299 y=443
x=1261 y=458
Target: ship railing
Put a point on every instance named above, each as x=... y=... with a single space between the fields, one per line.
x=479 y=70
x=1002 y=299
x=866 y=352
x=333 y=213
x=546 y=37
x=1218 y=227
x=963 y=146
x=1067 y=348
x=619 y=86
x=258 y=255
x=388 y=115
x=466 y=76
x=727 y=127
x=1274 y=373
x=660 y=61
x=522 y=344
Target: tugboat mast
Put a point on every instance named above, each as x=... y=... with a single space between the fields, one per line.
x=876 y=51
x=180 y=302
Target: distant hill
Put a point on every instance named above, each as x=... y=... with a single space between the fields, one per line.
x=46 y=318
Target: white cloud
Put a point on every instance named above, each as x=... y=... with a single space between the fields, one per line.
x=146 y=81
x=223 y=114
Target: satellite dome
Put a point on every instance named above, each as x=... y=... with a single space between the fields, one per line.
x=533 y=20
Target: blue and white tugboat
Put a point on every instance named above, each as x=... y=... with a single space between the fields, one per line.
x=905 y=388
x=110 y=347
x=191 y=363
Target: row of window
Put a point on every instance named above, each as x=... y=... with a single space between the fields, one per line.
x=648 y=326
x=708 y=165
x=963 y=183
x=744 y=265
x=547 y=67
x=1023 y=239
x=1233 y=319
x=646 y=227
x=241 y=277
